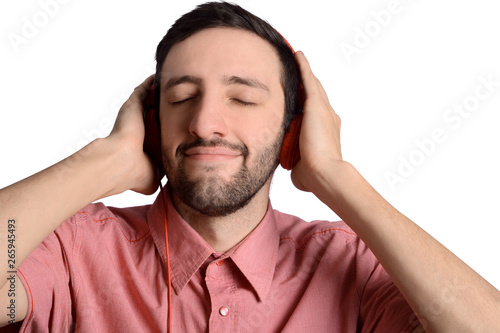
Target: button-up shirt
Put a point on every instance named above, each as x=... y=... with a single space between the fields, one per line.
x=104 y=270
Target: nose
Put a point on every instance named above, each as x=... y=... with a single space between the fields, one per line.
x=208 y=119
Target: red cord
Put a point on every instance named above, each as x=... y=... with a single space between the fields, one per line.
x=169 y=281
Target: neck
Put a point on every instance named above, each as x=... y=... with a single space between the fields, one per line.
x=224 y=232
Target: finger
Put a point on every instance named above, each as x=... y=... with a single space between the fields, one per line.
x=140 y=92
x=309 y=81
x=327 y=101
x=322 y=91
x=314 y=86
x=135 y=100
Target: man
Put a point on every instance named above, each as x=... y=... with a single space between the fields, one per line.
x=237 y=265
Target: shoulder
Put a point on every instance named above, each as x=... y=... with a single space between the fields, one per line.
x=299 y=232
x=333 y=241
x=99 y=219
x=325 y=248
x=100 y=214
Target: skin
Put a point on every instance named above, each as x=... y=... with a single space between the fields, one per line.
x=211 y=108
x=425 y=271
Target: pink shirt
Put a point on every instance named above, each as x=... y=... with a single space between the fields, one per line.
x=103 y=270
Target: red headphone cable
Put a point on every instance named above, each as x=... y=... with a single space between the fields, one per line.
x=169 y=280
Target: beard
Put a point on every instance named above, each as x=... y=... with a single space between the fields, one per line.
x=213 y=196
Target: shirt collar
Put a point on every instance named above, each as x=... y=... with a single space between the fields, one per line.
x=255 y=256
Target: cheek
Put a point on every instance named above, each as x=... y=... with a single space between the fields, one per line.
x=268 y=131
x=170 y=135
x=264 y=136
x=263 y=133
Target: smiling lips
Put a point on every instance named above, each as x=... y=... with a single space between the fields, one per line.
x=212 y=153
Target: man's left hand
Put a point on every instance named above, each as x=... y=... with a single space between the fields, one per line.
x=320 y=132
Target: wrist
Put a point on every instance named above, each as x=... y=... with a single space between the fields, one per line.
x=131 y=168
x=331 y=180
x=344 y=190
x=108 y=165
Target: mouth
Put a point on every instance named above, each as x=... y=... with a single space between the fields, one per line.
x=211 y=154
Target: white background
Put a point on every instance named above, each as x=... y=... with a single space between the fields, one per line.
x=63 y=83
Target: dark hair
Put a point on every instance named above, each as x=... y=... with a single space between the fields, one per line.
x=223 y=14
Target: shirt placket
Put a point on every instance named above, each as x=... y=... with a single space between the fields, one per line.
x=222 y=289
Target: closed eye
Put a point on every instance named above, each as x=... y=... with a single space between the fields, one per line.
x=236 y=100
x=239 y=101
x=182 y=101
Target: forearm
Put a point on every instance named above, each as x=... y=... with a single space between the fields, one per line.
x=446 y=294
x=40 y=203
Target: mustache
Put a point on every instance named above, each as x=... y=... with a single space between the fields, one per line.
x=217 y=142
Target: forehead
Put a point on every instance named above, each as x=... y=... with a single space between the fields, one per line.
x=223 y=52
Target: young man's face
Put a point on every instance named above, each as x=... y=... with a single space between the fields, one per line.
x=222 y=107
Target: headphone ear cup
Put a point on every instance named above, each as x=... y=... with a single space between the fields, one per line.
x=290 y=151
x=152 y=139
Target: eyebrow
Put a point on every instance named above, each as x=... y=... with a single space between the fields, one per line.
x=177 y=80
x=228 y=80
x=253 y=83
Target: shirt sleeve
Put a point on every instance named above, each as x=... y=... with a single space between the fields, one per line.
x=46 y=277
x=383 y=308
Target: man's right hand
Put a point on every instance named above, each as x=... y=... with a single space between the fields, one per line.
x=128 y=135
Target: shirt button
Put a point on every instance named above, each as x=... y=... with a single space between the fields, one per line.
x=224 y=311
